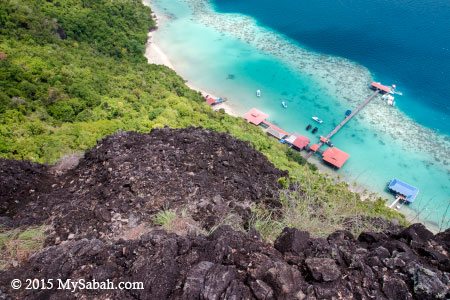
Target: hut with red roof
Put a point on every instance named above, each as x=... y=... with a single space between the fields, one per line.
x=210 y=100
x=378 y=86
x=300 y=142
x=255 y=117
x=314 y=147
x=335 y=156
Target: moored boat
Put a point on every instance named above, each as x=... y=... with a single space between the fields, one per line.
x=308 y=127
x=258 y=93
x=389 y=99
x=318 y=120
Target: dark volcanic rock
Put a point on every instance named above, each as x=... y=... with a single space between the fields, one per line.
x=129 y=176
x=225 y=265
x=323 y=269
x=416 y=232
x=292 y=240
x=395 y=289
x=131 y=173
x=21 y=182
x=207 y=280
x=428 y=285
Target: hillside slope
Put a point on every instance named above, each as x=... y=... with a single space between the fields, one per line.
x=130 y=177
x=173 y=209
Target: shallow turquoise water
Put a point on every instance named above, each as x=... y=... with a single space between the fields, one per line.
x=406 y=41
x=206 y=47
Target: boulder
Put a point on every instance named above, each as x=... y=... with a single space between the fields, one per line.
x=427 y=284
x=396 y=289
x=323 y=269
x=292 y=240
x=416 y=232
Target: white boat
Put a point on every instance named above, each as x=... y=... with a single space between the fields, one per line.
x=317 y=119
x=394 y=90
x=284 y=104
x=258 y=93
x=389 y=99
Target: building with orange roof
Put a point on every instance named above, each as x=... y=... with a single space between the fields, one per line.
x=301 y=142
x=379 y=86
x=255 y=117
x=210 y=100
x=335 y=156
x=314 y=147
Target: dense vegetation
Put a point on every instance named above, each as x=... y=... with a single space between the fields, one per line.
x=72 y=71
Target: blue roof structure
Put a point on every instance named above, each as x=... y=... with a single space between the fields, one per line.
x=403 y=188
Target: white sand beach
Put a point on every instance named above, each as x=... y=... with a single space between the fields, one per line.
x=155 y=55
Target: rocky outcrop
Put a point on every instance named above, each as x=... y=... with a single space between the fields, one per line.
x=60 y=31
x=100 y=213
x=21 y=182
x=323 y=269
x=234 y=265
x=129 y=176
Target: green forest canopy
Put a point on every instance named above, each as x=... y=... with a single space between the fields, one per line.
x=73 y=71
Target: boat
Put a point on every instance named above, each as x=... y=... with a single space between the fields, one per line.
x=317 y=119
x=284 y=104
x=348 y=113
x=308 y=127
x=258 y=93
x=389 y=99
x=394 y=90
x=315 y=130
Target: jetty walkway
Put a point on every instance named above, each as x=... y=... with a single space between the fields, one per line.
x=335 y=130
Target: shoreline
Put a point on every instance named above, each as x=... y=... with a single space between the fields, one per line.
x=155 y=55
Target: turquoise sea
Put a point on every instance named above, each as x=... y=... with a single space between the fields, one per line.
x=297 y=59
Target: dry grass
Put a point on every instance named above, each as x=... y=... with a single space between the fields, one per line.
x=177 y=222
x=309 y=207
x=231 y=219
x=18 y=244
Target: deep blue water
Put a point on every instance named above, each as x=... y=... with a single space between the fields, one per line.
x=406 y=42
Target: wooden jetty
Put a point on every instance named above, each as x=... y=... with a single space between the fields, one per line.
x=335 y=130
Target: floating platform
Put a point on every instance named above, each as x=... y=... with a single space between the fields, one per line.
x=402 y=188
